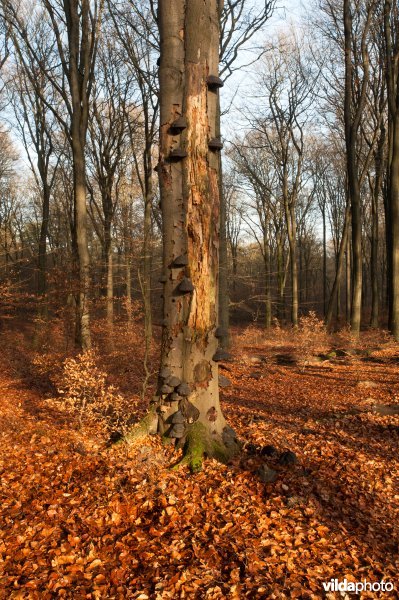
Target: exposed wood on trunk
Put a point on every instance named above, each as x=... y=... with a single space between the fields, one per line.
x=190 y=209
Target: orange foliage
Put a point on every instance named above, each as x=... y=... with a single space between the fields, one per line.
x=81 y=520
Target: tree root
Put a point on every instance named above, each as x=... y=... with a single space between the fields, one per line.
x=142 y=429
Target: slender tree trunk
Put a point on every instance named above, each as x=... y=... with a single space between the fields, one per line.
x=291 y=232
x=268 y=303
x=374 y=255
x=280 y=279
x=224 y=316
x=110 y=288
x=357 y=266
x=338 y=273
x=224 y=300
x=394 y=216
x=348 y=280
x=42 y=259
x=147 y=252
x=83 y=338
x=324 y=260
x=128 y=281
x=351 y=129
x=294 y=269
x=234 y=260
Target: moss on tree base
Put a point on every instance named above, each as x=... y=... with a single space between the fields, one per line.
x=199 y=443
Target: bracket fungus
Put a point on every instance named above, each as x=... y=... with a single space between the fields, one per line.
x=215 y=144
x=180 y=261
x=185 y=286
x=184 y=389
x=177 y=154
x=214 y=82
x=179 y=124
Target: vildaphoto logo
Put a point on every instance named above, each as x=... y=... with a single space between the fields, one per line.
x=355 y=587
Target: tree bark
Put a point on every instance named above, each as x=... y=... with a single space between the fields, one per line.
x=188 y=381
x=338 y=274
x=82 y=331
x=224 y=316
x=392 y=204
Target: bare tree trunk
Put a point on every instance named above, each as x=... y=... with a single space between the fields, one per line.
x=374 y=254
x=394 y=214
x=188 y=394
x=147 y=253
x=268 y=303
x=224 y=319
x=83 y=338
x=42 y=259
x=110 y=288
x=348 y=280
x=128 y=281
x=341 y=256
x=324 y=260
x=291 y=232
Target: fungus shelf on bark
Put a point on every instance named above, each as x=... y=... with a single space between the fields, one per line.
x=180 y=124
x=157 y=168
x=166 y=389
x=221 y=356
x=163 y=279
x=173 y=381
x=214 y=82
x=178 y=417
x=164 y=323
x=184 y=389
x=165 y=373
x=215 y=144
x=177 y=154
x=180 y=261
x=178 y=431
x=185 y=286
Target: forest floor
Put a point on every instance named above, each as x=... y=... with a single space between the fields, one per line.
x=80 y=519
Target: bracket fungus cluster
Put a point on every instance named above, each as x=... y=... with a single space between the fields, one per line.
x=173 y=390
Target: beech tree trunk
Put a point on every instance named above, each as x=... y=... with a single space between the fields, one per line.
x=224 y=314
x=392 y=202
x=340 y=264
x=187 y=402
x=42 y=258
x=82 y=330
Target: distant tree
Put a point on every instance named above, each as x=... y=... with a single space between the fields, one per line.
x=391 y=38
x=107 y=149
